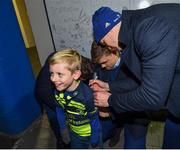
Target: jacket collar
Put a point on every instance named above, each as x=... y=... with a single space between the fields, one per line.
x=74 y=94
x=129 y=55
x=125 y=29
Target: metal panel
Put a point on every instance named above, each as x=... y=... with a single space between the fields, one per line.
x=40 y=27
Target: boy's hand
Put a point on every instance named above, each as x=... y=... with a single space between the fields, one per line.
x=95 y=146
x=65 y=135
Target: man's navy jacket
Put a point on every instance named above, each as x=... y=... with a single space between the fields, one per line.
x=152 y=39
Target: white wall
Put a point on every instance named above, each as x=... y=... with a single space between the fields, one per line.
x=70 y=22
x=71 y=19
x=40 y=28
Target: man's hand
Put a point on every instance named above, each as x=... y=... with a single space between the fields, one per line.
x=101 y=99
x=98 y=85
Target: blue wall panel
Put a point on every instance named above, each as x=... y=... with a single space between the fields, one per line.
x=18 y=107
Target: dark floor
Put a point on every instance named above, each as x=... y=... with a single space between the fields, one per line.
x=6 y=142
x=40 y=136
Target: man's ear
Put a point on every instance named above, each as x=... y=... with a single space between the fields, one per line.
x=114 y=51
x=77 y=74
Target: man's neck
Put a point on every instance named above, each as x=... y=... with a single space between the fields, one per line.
x=120 y=46
x=117 y=62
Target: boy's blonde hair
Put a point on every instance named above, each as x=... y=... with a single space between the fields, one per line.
x=67 y=56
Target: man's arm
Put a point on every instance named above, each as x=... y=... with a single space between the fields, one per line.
x=156 y=43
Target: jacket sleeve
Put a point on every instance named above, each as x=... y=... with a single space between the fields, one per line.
x=43 y=87
x=93 y=116
x=95 y=127
x=61 y=117
x=64 y=131
x=156 y=43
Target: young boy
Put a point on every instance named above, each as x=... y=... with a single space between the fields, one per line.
x=44 y=89
x=135 y=123
x=74 y=100
x=107 y=67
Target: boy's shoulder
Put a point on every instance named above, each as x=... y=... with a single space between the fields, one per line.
x=84 y=91
x=84 y=87
x=85 y=94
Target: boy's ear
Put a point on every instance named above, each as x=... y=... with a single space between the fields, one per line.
x=77 y=74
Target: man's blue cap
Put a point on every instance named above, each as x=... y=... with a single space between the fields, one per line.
x=104 y=19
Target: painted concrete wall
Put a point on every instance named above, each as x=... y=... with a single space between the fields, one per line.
x=23 y=20
x=71 y=21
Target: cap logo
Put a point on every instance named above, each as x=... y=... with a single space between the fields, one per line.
x=118 y=16
x=107 y=24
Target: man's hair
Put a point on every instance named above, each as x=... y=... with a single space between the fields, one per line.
x=98 y=50
x=67 y=56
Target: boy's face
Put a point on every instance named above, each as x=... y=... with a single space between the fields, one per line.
x=63 y=78
x=108 y=61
